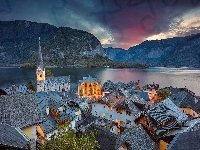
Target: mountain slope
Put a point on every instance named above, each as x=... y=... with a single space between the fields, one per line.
x=172 y=52
x=19 y=43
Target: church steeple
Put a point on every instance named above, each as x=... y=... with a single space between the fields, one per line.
x=40 y=71
x=40 y=60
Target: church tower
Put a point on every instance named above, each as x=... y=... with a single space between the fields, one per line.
x=40 y=71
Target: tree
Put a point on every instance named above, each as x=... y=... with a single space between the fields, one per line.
x=67 y=139
x=31 y=86
x=163 y=94
x=48 y=73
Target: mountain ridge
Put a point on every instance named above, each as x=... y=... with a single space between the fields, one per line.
x=61 y=46
x=171 y=52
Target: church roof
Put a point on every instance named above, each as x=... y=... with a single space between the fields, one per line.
x=19 y=110
x=57 y=80
x=88 y=79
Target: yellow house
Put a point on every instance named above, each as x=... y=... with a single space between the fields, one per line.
x=163 y=145
x=30 y=131
x=90 y=87
x=189 y=111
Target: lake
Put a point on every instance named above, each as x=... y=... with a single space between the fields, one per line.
x=176 y=77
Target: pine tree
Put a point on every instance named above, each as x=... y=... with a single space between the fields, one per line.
x=31 y=86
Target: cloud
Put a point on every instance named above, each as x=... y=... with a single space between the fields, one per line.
x=187 y=24
x=115 y=23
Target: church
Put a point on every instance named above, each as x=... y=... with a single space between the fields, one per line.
x=59 y=84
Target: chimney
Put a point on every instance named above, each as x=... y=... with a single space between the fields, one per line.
x=47 y=110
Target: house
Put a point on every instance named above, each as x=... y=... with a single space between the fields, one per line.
x=46 y=101
x=21 y=111
x=187 y=141
x=161 y=118
x=169 y=139
x=13 y=138
x=152 y=90
x=123 y=112
x=185 y=100
x=57 y=111
x=129 y=139
x=110 y=87
x=142 y=94
x=90 y=87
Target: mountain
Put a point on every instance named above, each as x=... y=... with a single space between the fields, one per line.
x=60 y=46
x=172 y=52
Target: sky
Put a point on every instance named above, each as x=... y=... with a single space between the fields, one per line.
x=116 y=23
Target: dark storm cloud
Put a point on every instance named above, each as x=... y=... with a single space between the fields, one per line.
x=114 y=22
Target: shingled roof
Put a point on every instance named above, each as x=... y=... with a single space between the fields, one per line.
x=137 y=138
x=19 y=110
x=58 y=80
x=89 y=79
x=13 y=137
x=105 y=138
x=48 y=125
x=187 y=141
x=184 y=98
x=166 y=110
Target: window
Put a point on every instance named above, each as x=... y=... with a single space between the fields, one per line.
x=110 y=116
x=104 y=106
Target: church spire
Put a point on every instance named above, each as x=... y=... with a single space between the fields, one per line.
x=40 y=60
x=40 y=71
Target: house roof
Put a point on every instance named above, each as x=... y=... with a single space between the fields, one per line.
x=184 y=98
x=105 y=138
x=151 y=86
x=13 y=137
x=129 y=107
x=166 y=110
x=48 y=125
x=87 y=120
x=19 y=110
x=111 y=87
x=187 y=141
x=137 y=138
x=141 y=94
x=45 y=99
x=53 y=101
x=14 y=89
x=135 y=100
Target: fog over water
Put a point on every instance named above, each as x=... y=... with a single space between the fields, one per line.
x=175 y=77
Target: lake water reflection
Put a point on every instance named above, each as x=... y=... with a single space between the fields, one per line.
x=176 y=77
